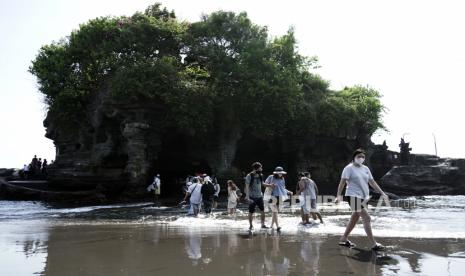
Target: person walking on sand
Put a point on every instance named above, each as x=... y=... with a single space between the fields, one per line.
x=208 y=194
x=358 y=177
x=217 y=192
x=278 y=195
x=155 y=187
x=195 y=197
x=309 y=192
x=254 y=195
x=232 y=197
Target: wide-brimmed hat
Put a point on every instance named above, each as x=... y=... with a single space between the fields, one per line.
x=279 y=170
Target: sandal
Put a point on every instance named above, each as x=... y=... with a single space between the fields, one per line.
x=347 y=243
x=378 y=247
x=265 y=227
x=278 y=229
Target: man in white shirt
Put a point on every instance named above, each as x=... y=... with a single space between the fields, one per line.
x=195 y=196
x=156 y=188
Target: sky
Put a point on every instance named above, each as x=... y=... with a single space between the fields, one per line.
x=411 y=51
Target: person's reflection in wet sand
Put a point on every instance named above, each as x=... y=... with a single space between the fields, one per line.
x=31 y=247
x=256 y=245
x=193 y=247
x=310 y=256
x=233 y=245
x=366 y=262
x=414 y=261
x=276 y=262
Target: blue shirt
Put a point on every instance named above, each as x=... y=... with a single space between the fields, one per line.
x=280 y=185
x=255 y=185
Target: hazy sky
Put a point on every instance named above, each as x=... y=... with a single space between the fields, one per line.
x=411 y=51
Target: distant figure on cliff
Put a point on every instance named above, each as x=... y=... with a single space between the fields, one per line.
x=26 y=171
x=34 y=163
x=39 y=165
x=404 y=152
x=44 y=167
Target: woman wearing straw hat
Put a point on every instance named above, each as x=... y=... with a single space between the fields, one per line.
x=278 y=195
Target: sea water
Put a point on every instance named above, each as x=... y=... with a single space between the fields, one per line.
x=425 y=236
x=422 y=217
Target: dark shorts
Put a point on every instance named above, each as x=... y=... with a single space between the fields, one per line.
x=256 y=202
x=207 y=205
x=356 y=204
x=216 y=198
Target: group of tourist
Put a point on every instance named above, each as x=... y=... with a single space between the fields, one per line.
x=201 y=189
x=275 y=194
x=271 y=193
x=37 y=166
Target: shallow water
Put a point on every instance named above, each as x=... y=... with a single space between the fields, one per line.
x=424 y=238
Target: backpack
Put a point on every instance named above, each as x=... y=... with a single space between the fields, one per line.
x=252 y=178
x=208 y=190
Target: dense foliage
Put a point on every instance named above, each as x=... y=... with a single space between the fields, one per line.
x=223 y=64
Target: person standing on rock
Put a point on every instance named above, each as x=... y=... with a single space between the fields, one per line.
x=39 y=165
x=358 y=177
x=254 y=195
x=34 y=162
x=44 y=167
x=26 y=171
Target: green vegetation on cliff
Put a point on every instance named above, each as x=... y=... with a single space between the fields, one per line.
x=223 y=66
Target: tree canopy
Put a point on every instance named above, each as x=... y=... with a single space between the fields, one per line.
x=197 y=71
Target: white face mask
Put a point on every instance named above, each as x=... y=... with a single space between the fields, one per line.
x=359 y=160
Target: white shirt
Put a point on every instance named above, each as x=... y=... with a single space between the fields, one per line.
x=194 y=191
x=357 y=180
x=217 y=189
x=310 y=188
x=232 y=195
x=157 y=182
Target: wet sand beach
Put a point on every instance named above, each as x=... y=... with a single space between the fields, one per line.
x=97 y=241
x=164 y=250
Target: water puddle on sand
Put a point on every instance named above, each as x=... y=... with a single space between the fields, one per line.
x=140 y=239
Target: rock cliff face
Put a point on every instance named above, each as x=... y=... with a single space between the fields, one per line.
x=427 y=175
x=115 y=150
